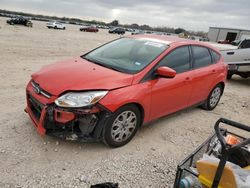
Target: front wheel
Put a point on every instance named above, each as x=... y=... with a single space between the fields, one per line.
x=213 y=98
x=122 y=126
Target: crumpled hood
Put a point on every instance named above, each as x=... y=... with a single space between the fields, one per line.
x=79 y=74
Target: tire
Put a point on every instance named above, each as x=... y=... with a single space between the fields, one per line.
x=213 y=98
x=244 y=76
x=229 y=76
x=55 y=27
x=117 y=127
x=64 y=28
x=29 y=24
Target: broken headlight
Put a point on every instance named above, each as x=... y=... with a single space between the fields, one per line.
x=80 y=99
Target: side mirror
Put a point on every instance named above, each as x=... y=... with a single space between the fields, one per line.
x=165 y=72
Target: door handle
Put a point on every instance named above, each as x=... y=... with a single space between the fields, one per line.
x=230 y=53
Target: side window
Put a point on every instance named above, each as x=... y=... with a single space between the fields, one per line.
x=245 y=44
x=215 y=56
x=179 y=60
x=201 y=57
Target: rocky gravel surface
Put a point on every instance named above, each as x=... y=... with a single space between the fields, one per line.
x=149 y=160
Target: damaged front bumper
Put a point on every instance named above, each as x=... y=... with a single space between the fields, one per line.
x=82 y=124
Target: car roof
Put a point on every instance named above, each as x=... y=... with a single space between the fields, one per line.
x=170 y=40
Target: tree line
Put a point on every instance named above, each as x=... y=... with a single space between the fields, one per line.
x=114 y=23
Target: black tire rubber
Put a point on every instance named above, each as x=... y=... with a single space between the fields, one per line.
x=244 y=76
x=107 y=138
x=206 y=104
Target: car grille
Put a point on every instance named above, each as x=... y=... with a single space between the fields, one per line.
x=39 y=90
x=35 y=106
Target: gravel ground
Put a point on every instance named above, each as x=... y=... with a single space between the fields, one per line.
x=149 y=160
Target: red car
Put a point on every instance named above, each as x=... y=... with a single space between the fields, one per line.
x=109 y=92
x=89 y=29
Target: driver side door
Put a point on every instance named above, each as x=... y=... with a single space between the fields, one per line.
x=172 y=94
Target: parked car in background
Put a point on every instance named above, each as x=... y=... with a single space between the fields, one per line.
x=137 y=32
x=123 y=84
x=20 y=21
x=89 y=29
x=204 y=39
x=183 y=35
x=149 y=32
x=167 y=34
x=56 y=25
x=117 y=30
x=236 y=42
x=102 y=26
x=238 y=59
x=191 y=37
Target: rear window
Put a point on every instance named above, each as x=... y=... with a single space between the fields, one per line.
x=245 y=44
x=201 y=56
x=215 y=56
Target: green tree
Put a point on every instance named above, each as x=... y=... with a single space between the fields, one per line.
x=114 y=23
x=179 y=30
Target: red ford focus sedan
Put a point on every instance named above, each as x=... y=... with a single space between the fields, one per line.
x=109 y=92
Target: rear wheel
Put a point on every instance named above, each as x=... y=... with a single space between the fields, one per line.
x=213 y=98
x=122 y=126
x=244 y=75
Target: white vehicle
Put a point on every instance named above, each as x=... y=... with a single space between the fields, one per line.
x=237 y=58
x=56 y=25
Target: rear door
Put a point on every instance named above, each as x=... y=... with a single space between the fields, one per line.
x=204 y=74
x=172 y=94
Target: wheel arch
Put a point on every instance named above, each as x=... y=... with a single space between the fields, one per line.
x=222 y=84
x=140 y=108
x=220 y=79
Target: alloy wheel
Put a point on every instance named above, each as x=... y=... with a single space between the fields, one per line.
x=215 y=97
x=123 y=126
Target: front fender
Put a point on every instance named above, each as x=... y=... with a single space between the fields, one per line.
x=138 y=93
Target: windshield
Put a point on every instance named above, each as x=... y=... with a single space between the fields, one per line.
x=126 y=55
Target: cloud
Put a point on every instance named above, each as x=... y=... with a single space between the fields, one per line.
x=189 y=14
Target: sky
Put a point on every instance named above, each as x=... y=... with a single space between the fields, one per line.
x=196 y=15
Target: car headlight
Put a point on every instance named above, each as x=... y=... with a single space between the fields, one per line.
x=80 y=99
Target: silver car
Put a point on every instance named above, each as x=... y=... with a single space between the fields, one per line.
x=56 y=25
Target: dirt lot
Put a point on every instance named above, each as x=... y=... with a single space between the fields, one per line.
x=149 y=160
